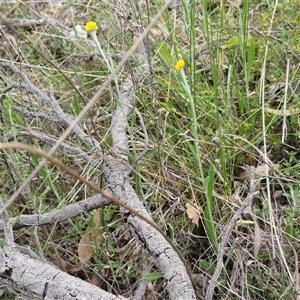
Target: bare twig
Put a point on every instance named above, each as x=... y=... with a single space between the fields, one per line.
x=19 y=22
x=26 y=112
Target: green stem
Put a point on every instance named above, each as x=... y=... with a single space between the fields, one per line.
x=94 y=37
x=194 y=128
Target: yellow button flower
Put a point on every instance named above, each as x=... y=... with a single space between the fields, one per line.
x=90 y=26
x=179 y=65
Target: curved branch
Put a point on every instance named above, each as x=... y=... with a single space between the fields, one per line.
x=60 y=215
x=225 y=236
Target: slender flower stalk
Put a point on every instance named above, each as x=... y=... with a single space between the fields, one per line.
x=91 y=28
x=179 y=67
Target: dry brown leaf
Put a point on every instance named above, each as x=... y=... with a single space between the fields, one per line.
x=193 y=211
x=277 y=194
x=85 y=249
x=280 y=112
x=156 y=32
x=259 y=171
x=88 y=241
x=95 y=280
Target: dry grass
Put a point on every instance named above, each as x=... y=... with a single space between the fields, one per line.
x=233 y=46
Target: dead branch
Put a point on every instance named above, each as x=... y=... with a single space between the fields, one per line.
x=19 y=22
x=30 y=278
x=60 y=215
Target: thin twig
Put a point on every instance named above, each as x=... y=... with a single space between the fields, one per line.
x=26 y=112
x=24 y=23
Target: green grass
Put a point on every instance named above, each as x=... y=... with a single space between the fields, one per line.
x=215 y=95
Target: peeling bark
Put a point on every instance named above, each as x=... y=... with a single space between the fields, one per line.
x=30 y=278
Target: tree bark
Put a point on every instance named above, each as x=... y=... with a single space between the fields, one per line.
x=30 y=278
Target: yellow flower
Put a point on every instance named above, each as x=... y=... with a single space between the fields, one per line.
x=179 y=65
x=90 y=26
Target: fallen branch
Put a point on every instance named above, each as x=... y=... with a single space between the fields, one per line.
x=30 y=278
x=58 y=216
